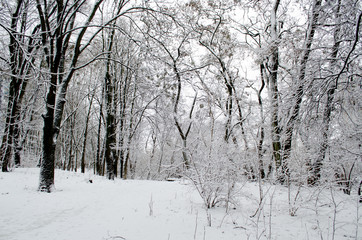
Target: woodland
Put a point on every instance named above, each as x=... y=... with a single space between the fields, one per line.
x=206 y=90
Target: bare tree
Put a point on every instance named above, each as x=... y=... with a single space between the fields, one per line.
x=21 y=50
x=301 y=80
x=273 y=66
x=58 y=25
x=340 y=57
x=174 y=56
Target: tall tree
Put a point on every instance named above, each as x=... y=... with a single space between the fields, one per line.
x=273 y=81
x=21 y=51
x=174 y=55
x=338 y=61
x=58 y=25
x=85 y=135
x=301 y=79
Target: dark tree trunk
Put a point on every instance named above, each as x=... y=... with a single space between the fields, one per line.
x=55 y=42
x=273 y=81
x=98 y=164
x=262 y=134
x=48 y=155
x=6 y=146
x=70 y=145
x=12 y=132
x=6 y=152
x=82 y=160
x=19 y=66
x=110 y=96
x=229 y=109
x=110 y=138
x=6 y=149
x=183 y=134
x=17 y=142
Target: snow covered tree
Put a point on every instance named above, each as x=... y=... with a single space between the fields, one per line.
x=343 y=28
x=59 y=23
x=21 y=49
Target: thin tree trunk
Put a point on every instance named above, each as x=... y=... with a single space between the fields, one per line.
x=183 y=134
x=130 y=136
x=298 y=95
x=177 y=123
x=6 y=146
x=99 y=145
x=122 y=130
x=17 y=141
x=273 y=81
x=261 y=138
x=82 y=161
x=229 y=111
x=70 y=146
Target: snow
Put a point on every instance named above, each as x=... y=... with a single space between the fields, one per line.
x=154 y=210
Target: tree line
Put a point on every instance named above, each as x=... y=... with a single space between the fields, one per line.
x=210 y=90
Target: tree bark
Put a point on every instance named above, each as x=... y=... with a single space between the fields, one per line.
x=262 y=134
x=55 y=43
x=19 y=65
x=48 y=159
x=317 y=165
x=82 y=160
x=98 y=164
x=298 y=95
x=110 y=138
x=274 y=96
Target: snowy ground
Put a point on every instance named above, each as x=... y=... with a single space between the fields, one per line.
x=151 y=210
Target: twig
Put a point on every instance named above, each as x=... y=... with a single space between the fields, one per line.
x=196 y=225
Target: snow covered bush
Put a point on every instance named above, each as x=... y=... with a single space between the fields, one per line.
x=215 y=175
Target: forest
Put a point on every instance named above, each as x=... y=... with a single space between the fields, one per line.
x=116 y=108
x=211 y=91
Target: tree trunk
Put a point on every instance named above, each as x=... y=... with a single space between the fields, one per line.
x=110 y=96
x=82 y=160
x=70 y=145
x=17 y=141
x=317 y=165
x=177 y=123
x=262 y=134
x=229 y=110
x=274 y=96
x=122 y=130
x=110 y=138
x=294 y=114
x=48 y=155
x=55 y=42
x=19 y=65
x=98 y=164
x=6 y=146
x=6 y=152
x=126 y=163
x=131 y=129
